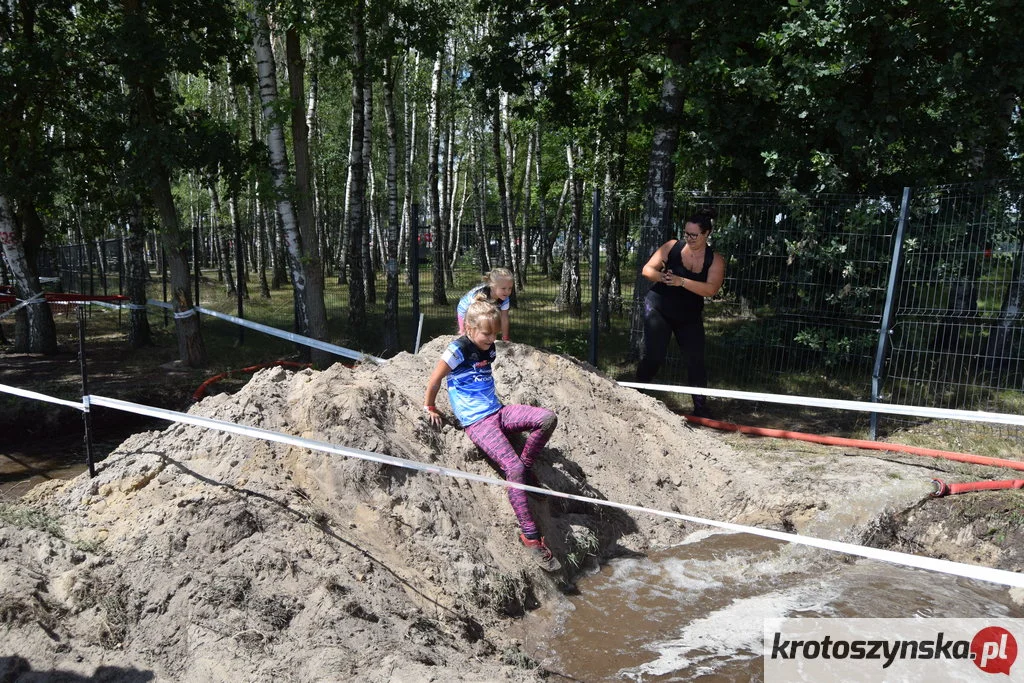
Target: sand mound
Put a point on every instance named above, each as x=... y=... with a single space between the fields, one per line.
x=200 y=555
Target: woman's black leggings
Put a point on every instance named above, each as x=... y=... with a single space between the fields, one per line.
x=658 y=330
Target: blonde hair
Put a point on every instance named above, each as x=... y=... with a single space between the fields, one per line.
x=496 y=275
x=479 y=311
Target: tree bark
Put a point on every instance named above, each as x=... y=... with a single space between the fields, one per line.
x=39 y=333
x=139 y=333
x=506 y=228
x=354 y=262
x=440 y=297
x=191 y=347
x=661 y=171
x=408 y=231
x=569 y=294
x=523 y=232
x=391 y=339
x=218 y=234
x=316 y=310
x=542 y=190
x=267 y=77
x=369 y=282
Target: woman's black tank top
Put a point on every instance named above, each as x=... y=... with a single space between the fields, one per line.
x=676 y=301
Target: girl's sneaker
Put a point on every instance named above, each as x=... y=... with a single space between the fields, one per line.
x=542 y=555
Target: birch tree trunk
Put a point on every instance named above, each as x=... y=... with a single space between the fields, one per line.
x=369 y=281
x=266 y=71
x=34 y=328
x=510 y=253
x=523 y=232
x=542 y=190
x=218 y=234
x=408 y=231
x=447 y=177
x=569 y=296
x=241 y=272
x=506 y=228
x=354 y=262
x=309 y=245
x=480 y=195
x=556 y=228
x=391 y=339
x=440 y=297
x=343 y=237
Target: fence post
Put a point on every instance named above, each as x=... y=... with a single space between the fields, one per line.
x=414 y=265
x=595 y=271
x=86 y=415
x=196 y=264
x=239 y=276
x=886 y=325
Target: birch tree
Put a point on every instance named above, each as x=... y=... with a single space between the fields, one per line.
x=569 y=293
x=36 y=332
x=266 y=71
x=440 y=296
x=391 y=339
x=310 y=260
x=357 y=176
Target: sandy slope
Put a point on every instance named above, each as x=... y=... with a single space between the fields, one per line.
x=199 y=555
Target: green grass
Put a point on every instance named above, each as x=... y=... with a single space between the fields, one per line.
x=535 y=321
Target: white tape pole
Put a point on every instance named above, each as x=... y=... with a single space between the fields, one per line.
x=998 y=576
x=864 y=406
x=419 y=332
x=297 y=338
x=24 y=393
x=290 y=336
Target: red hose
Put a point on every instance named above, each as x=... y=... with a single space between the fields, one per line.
x=858 y=443
x=201 y=391
x=944 y=489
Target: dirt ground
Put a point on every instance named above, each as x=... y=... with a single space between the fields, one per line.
x=201 y=555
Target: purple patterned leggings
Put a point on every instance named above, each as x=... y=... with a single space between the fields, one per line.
x=491 y=435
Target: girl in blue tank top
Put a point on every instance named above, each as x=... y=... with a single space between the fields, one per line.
x=465 y=366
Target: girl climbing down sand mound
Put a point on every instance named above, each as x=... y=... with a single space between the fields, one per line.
x=467 y=365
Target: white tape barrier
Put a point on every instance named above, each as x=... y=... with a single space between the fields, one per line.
x=36 y=299
x=998 y=576
x=865 y=406
x=273 y=331
x=7 y=389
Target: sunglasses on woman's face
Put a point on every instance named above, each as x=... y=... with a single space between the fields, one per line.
x=691 y=235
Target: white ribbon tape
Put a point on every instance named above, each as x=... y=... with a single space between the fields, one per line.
x=35 y=299
x=990 y=574
x=864 y=406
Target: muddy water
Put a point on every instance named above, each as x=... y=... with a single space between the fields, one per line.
x=697 y=611
x=25 y=462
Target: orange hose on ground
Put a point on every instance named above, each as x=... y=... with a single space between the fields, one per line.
x=201 y=391
x=857 y=443
x=944 y=489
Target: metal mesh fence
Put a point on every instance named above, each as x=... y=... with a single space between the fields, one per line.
x=801 y=310
x=956 y=337
x=803 y=295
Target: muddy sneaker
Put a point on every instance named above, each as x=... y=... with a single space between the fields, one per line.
x=541 y=554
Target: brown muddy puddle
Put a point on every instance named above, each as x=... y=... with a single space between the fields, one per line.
x=696 y=612
x=26 y=462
